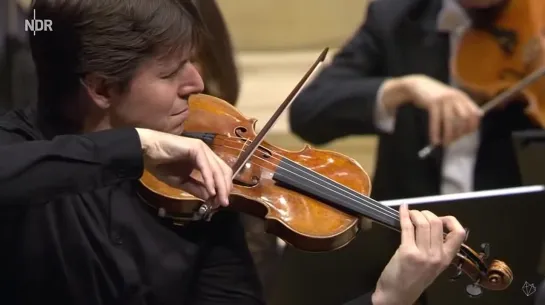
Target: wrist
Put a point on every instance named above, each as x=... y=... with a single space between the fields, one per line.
x=145 y=137
x=396 y=92
x=379 y=297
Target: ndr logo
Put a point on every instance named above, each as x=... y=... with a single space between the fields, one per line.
x=38 y=25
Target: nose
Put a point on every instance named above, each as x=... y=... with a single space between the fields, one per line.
x=192 y=82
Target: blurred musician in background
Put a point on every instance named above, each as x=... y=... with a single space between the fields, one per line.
x=392 y=79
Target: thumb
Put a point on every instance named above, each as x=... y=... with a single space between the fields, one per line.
x=455 y=237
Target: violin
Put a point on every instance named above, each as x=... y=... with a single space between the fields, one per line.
x=501 y=58
x=312 y=199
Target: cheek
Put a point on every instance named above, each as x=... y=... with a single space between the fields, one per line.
x=159 y=99
x=148 y=106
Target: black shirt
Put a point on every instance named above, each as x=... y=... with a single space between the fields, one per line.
x=73 y=231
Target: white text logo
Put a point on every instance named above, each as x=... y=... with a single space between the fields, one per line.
x=38 y=25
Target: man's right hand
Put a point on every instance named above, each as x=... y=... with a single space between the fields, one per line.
x=188 y=164
x=452 y=113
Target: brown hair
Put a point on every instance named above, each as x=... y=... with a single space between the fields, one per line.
x=108 y=37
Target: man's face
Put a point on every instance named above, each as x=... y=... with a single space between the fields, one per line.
x=479 y=3
x=157 y=96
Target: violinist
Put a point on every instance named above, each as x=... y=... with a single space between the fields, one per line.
x=114 y=80
x=392 y=79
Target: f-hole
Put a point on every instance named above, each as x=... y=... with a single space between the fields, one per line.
x=241 y=131
x=261 y=151
x=264 y=153
x=507 y=39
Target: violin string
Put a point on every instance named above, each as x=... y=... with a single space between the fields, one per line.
x=324 y=178
x=394 y=214
x=377 y=207
x=369 y=201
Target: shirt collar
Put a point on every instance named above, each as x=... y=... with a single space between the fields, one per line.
x=451 y=16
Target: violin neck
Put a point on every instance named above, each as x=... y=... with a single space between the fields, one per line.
x=324 y=189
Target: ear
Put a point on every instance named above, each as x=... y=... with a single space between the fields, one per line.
x=98 y=90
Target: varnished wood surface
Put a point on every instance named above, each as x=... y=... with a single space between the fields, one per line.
x=361 y=148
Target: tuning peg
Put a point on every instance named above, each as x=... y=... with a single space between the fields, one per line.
x=457 y=274
x=485 y=247
x=467 y=234
x=474 y=290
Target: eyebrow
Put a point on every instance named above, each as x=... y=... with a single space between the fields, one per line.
x=181 y=64
x=167 y=65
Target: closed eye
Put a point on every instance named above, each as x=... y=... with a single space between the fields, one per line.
x=175 y=72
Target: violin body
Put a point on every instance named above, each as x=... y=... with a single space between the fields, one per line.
x=300 y=220
x=493 y=58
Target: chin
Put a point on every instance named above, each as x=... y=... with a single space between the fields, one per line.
x=177 y=130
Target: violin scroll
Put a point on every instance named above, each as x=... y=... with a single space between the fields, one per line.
x=499 y=276
x=493 y=276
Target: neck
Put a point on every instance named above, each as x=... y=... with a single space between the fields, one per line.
x=95 y=123
x=66 y=117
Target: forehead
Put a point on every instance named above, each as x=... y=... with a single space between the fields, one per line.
x=153 y=66
x=172 y=57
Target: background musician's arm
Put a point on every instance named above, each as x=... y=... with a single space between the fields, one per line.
x=342 y=99
x=70 y=164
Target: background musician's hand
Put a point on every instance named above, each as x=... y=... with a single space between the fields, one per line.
x=423 y=254
x=188 y=164
x=452 y=113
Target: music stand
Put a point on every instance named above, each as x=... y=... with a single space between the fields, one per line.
x=507 y=219
x=530 y=152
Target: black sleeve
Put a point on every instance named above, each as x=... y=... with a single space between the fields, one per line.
x=361 y=300
x=341 y=100
x=37 y=171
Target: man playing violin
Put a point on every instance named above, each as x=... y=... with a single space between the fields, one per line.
x=392 y=78
x=114 y=80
